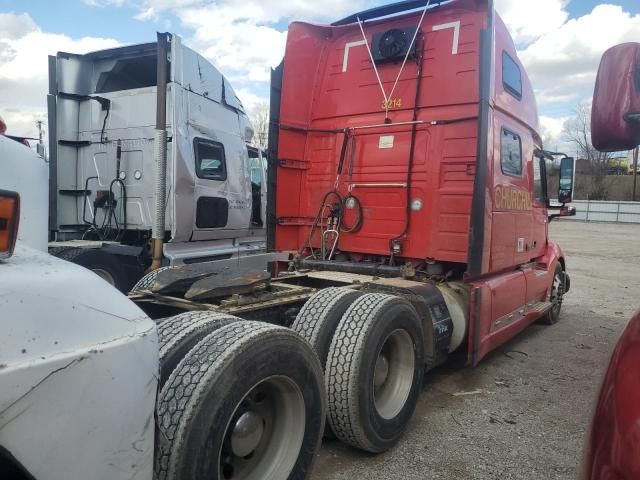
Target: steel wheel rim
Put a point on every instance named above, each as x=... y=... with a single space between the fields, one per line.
x=557 y=292
x=265 y=433
x=105 y=275
x=393 y=374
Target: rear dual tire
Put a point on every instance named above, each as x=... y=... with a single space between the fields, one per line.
x=374 y=372
x=246 y=402
x=318 y=319
x=179 y=334
x=111 y=268
x=371 y=347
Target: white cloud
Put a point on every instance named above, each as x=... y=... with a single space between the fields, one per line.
x=561 y=55
x=551 y=127
x=244 y=38
x=24 y=48
x=249 y=99
x=146 y=14
x=22 y=122
x=529 y=20
x=234 y=40
x=28 y=54
x=13 y=26
x=552 y=132
x=271 y=11
x=563 y=63
x=104 y=3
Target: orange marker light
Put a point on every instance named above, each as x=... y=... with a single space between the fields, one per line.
x=9 y=217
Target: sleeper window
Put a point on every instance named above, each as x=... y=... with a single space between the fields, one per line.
x=510 y=154
x=210 y=162
x=511 y=76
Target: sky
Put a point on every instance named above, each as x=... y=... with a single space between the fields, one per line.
x=559 y=41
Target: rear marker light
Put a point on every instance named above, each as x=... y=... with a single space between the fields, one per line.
x=9 y=217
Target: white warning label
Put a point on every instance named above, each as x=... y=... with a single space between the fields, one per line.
x=386 y=141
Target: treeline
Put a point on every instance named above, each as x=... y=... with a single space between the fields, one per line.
x=617 y=188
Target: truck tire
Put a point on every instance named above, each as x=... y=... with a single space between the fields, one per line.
x=179 y=334
x=246 y=402
x=319 y=317
x=374 y=371
x=557 y=293
x=148 y=280
x=105 y=265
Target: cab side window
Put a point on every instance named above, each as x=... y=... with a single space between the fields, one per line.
x=539 y=193
x=510 y=153
x=255 y=168
x=210 y=160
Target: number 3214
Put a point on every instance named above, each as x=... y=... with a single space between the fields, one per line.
x=392 y=103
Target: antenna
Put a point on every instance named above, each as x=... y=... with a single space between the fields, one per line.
x=40 y=125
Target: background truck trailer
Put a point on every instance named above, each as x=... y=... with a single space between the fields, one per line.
x=407 y=186
x=81 y=370
x=104 y=161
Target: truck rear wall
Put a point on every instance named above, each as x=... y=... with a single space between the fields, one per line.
x=329 y=84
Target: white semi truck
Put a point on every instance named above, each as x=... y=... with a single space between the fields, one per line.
x=92 y=388
x=131 y=124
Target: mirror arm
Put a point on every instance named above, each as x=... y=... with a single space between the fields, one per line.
x=549 y=155
x=552 y=216
x=564 y=211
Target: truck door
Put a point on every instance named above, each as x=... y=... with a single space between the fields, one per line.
x=211 y=182
x=222 y=197
x=540 y=223
x=538 y=276
x=511 y=238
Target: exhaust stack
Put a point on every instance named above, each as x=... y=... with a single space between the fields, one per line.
x=160 y=152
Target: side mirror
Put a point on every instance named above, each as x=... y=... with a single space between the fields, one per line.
x=565 y=192
x=615 y=113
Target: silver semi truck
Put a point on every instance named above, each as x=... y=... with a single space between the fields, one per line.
x=129 y=125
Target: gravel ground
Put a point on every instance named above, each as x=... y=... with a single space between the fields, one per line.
x=529 y=418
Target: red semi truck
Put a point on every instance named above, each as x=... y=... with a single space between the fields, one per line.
x=613 y=446
x=408 y=204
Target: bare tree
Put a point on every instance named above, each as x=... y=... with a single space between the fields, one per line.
x=260 y=121
x=577 y=130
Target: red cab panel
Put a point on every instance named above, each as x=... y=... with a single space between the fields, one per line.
x=613 y=449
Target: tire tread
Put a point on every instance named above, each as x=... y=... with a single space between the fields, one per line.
x=343 y=367
x=181 y=332
x=184 y=393
x=314 y=316
x=148 y=280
